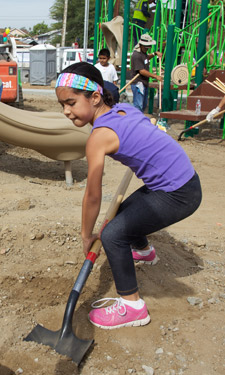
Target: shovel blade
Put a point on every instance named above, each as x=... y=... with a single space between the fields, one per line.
x=68 y=345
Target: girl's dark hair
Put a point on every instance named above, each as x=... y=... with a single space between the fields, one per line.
x=88 y=70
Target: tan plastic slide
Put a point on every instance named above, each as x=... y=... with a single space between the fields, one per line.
x=49 y=133
x=113 y=33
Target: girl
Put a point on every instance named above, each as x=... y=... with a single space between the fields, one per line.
x=171 y=190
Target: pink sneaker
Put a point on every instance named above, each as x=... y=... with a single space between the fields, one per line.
x=117 y=315
x=150 y=259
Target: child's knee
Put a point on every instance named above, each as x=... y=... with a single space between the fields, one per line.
x=106 y=235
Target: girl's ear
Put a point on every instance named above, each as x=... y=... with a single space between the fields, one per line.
x=96 y=97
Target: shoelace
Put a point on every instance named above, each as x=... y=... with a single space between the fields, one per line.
x=116 y=307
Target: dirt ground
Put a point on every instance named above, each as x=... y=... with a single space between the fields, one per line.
x=41 y=255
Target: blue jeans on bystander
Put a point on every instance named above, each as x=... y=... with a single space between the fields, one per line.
x=140 y=100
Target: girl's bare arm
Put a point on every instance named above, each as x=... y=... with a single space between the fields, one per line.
x=101 y=142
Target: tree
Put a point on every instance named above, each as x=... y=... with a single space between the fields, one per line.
x=39 y=28
x=75 y=21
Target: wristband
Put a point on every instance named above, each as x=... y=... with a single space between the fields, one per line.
x=218 y=109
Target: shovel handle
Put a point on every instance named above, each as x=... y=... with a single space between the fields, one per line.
x=199 y=123
x=129 y=83
x=112 y=210
x=160 y=84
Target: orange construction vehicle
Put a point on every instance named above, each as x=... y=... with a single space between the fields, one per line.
x=9 y=74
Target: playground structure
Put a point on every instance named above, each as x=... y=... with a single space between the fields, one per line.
x=209 y=95
x=190 y=34
x=49 y=133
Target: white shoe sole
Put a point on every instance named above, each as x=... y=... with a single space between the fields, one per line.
x=136 y=323
x=150 y=262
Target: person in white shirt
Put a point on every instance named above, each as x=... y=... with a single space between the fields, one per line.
x=107 y=69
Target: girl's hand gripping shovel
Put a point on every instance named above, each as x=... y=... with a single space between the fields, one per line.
x=64 y=341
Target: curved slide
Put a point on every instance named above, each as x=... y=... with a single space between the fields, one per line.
x=113 y=33
x=49 y=133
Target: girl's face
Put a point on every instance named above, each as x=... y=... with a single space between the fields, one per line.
x=76 y=107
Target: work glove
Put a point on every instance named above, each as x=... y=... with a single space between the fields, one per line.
x=213 y=112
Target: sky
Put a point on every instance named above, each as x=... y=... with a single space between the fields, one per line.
x=24 y=13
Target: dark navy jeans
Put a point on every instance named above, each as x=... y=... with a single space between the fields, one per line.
x=142 y=213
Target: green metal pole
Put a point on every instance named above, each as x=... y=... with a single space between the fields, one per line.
x=174 y=93
x=177 y=23
x=110 y=10
x=167 y=102
x=201 y=49
x=157 y=21
x=125 y=42
x=97 y=12
x=156 y=24
x=178 y=13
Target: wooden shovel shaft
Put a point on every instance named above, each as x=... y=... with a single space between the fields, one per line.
x=113 y=208
x=199 y=124
x=129 y=83
x=160 y=84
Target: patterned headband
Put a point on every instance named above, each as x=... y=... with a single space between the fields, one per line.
x=77 y=82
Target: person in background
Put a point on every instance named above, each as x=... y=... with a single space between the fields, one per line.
x=140 y=17
x=107 y=69
x=140 y=64
x=216 y=110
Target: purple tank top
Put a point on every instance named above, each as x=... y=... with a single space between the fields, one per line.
x=152 y=154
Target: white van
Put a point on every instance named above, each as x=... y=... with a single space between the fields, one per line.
x=68 y=56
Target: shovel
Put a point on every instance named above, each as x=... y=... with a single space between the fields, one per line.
x=64 y=341
x=199 y=123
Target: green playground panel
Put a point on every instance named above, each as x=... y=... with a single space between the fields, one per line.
x=188 y=25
